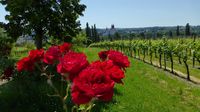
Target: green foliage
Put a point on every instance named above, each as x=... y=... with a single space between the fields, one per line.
x=5 y=63
x=95 y=34
x=117 y=36
x=91 y=34
x=187 y=30
x=88 y=30
x=57 y=18
x=80 y=39
x=88 y=34
x=174 y=50
x=170 y=34
x=177 y=31
x=25 y=93
x=5 y=43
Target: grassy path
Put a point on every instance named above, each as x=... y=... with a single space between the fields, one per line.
x=148 y=89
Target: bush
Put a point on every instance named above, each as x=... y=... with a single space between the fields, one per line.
x=80 y=83
x=80 y=40
x=5 y=44
x=6 y=63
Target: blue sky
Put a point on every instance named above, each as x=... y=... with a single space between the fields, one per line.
x=138 y=13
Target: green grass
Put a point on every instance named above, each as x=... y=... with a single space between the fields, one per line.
x=19 y=52
x=145 y=89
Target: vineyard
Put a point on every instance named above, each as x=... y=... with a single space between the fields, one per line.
x=178 y=56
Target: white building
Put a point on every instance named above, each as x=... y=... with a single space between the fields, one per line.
x=110 y=31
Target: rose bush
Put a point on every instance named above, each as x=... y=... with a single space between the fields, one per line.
x=86 y=82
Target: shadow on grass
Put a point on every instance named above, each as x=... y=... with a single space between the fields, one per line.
x=117 y=92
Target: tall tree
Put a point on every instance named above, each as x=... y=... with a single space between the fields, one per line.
x=96 y=36
x=92 y=34
x=110 y=37
x=57 y=18
x=187 y=30
x=142 y=34
x=88 y=34
x=170 y=34
x=177 y=31
x=88 y=30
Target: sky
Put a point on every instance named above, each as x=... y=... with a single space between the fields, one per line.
x=137 y=13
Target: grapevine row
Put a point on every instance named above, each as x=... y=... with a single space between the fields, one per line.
x=164 y=49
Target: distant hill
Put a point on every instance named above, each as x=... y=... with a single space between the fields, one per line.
x=160 y=29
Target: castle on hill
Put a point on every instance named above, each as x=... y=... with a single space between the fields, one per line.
x=110 y=31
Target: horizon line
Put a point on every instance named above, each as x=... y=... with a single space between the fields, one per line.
x=145 y=26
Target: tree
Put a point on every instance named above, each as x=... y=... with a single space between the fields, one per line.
x=187 y=30
x=88 y=34
x=5 y=43
x=110 y=37
x=159 y=34
x=96 y=36
x=2 y=25
x=92 y=34
x=80 y=39
x=177 y=31
x=88 y=31
x=142 y=34
x=117 y=36
x=57 y=18
x=132 y=35
x=170 y=34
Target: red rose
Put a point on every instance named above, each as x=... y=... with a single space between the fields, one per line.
x=119 y=59
x=72 y=63
x=65 y=47
x=36 y=55
x=115 y=73
x=25 y=64
x=103 y=55
x=91 y=83
x=81 y=96
x=8 y=72
x=53 y=54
